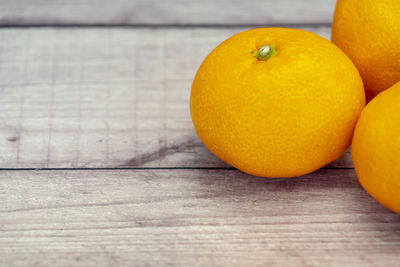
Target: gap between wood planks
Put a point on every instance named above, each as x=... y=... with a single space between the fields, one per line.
x=158 y=26
x=147 y=168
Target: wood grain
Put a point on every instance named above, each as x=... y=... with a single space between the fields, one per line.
x=161 y=12
x=192 y=217
x=83 y=98
x=117 y=97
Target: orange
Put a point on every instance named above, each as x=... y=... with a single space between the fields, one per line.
x=368 y=31
x=276 y=102
x=376 y=148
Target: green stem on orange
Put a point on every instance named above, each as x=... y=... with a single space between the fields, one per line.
x=265 y=52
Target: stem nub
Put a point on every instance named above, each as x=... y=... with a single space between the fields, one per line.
x=265 y=52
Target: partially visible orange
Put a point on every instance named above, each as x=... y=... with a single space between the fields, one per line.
x=376 y=148
x=276 y=102
x=368 y=31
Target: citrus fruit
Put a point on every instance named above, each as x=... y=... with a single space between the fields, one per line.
x=376 y=148
x=368 y=31
x=276 y=102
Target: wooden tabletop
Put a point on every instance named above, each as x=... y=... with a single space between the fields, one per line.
x=100 y=165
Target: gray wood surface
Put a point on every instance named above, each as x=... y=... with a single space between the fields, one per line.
x=192 y=218
x=156 y=12
x=113 y=98
x=104 y=97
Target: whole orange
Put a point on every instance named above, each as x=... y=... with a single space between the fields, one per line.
x=368 y=31
x=276 y=102
x=376 y=148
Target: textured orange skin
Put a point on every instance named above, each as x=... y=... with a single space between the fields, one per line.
x=376 y=148
x=368 y=31
x=287 y=116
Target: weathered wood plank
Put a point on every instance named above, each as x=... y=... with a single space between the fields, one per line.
x=156 y=12
x=192 y=217
x=103 y=97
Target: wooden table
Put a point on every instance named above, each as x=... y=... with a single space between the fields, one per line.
x=100 y=165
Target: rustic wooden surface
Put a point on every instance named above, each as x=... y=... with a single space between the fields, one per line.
x=162 y=12
x=192 y=217
x=100 y=166
x=88 y=98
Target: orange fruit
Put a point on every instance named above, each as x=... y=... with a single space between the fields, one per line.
x=376 y=148
x=276 y=102
x=368 y=31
